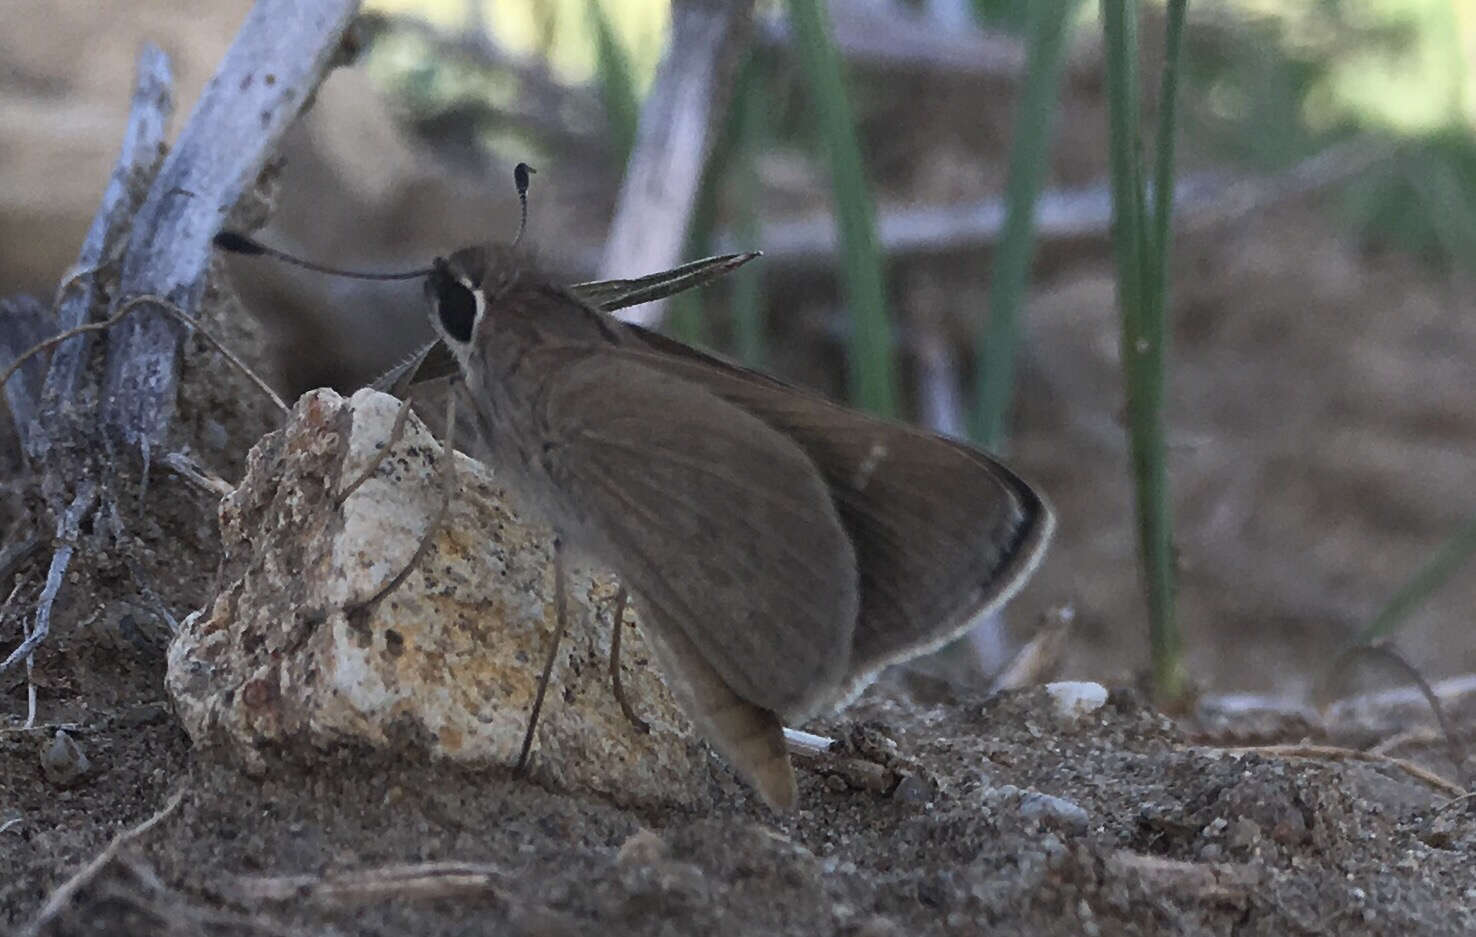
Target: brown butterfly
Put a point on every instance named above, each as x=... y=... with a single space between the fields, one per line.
x=782 y=549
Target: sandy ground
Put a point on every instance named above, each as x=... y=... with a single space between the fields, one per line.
x=1014 y=819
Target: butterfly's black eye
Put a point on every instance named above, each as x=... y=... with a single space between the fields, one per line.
x=457 y=307
x=455 y=304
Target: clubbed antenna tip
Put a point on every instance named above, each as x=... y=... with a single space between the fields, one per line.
x=521 y=174
x=237 y=243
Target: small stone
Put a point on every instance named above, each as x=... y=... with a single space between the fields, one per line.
x=1089 y=925
x=63 y=761
x=1243 y=833
x=1290 y=828
x=913 y=789
x=1074 y=699
x=1056 y=812
x=879 y=926
x=642 y=847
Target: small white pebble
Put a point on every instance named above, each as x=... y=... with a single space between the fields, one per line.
x=1074 y=699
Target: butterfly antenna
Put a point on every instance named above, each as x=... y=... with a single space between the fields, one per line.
x=521 y=173
x=237 y=243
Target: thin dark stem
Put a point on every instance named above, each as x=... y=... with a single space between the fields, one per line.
x=169 y=308
x=617 y=626
x=397 y=429
x=447 y=472
x=561 y=623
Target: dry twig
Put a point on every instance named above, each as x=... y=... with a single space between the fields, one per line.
x=891 y=36
x=1335 y=753
x=138 y=302
x=678 y=126
x=1389 y=654
x=424 y=881
x=281 y=53
x=154 y=230
x=68 y=890
x=143 y=146
x=68 y=527
x=24 y=321
x=1202 y=202
x=819 y=754
x=30 y=683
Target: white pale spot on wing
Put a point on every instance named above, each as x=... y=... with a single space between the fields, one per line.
x=868 y=466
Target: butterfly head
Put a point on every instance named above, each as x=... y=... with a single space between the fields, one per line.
x=454 y=290
x=461 y=288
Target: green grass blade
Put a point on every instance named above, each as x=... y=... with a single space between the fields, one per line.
x=873 y=380
x=1163 y=178
x=1029 y=156
x=687 y=321
x=1140 y=254
x=617 y=84
x=1436 y=571
x=751 y=135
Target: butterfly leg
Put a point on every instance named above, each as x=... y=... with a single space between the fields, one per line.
x=617 y=626
x=396 y=431
x=561 y=622
x=446 y=469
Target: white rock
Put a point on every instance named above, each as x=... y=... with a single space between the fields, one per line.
x=1075 y=699
x=448 y=663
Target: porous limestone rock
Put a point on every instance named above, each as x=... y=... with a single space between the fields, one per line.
x=449 y=662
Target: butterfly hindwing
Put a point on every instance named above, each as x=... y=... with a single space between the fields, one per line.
x=931 y=561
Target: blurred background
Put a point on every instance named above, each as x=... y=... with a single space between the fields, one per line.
x=1321 y=398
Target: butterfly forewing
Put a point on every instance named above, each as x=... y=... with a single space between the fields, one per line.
x=716 y=522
